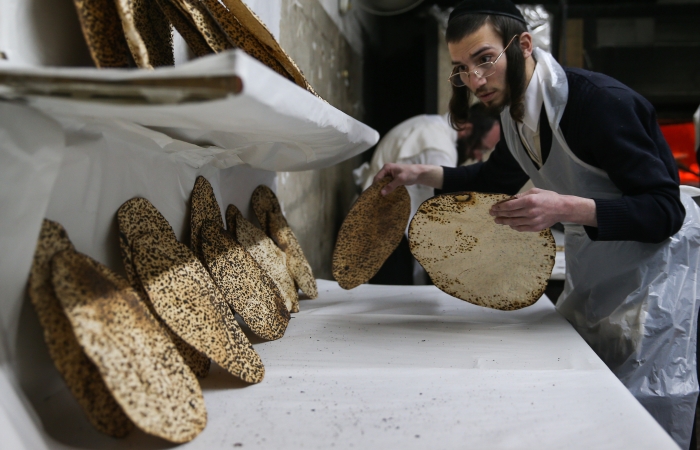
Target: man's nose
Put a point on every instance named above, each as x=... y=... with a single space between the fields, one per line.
x=476 y=82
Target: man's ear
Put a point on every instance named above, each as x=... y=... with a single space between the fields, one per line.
x=526 y=44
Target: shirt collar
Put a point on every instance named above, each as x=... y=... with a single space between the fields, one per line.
x=533 y=102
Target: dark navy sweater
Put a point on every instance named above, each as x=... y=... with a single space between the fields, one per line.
x=611 y=127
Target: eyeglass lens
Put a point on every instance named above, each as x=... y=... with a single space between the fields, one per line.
x=461 y=78
x=481 y=71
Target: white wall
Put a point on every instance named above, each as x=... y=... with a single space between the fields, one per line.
x=42 y=32
x=269 y=12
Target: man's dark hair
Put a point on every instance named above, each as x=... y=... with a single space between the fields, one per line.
x=506 y=27
x=482 y=121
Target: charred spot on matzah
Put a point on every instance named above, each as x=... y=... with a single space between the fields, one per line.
x=137 y=360
x=267 y=209
x=245 y=285
x=80 y=374
x=370 y=233
x=266 y=254
x=469 y=256
x=186 y=298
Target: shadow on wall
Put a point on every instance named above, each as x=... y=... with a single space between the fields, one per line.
x=50 y=35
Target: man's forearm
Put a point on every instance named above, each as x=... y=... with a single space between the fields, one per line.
x=579 y=210
x=431 y=176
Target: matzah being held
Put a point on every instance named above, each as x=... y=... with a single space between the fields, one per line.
x=370 y=233
x=469 y=256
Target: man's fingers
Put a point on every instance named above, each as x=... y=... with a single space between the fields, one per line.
x=514 y=221
x=529 y=192
x=528 y=228
x=511 y=205
x=521 y=223
x=389 y=188
x=513 y=213
x=513 y=210
x=382 y=173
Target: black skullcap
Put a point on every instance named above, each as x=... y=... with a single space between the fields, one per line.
x=491 y=7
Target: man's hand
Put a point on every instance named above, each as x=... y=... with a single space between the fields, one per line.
x=538 y=209
x=409 y=174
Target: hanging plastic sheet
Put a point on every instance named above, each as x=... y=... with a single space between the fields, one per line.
x=539 y=22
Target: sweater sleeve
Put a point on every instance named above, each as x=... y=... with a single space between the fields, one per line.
x=500 y=174
x=615 y=129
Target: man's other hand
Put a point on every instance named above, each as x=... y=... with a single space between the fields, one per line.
x=409 y=174
x=538 y=209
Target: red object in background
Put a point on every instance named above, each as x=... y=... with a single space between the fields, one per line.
x=681 y=139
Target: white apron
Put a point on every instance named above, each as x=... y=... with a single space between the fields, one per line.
x=634 y=303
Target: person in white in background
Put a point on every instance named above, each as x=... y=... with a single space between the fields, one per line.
x=430 y=139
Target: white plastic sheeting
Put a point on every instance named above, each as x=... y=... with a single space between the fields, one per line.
x=539 y=22
x=271 y=124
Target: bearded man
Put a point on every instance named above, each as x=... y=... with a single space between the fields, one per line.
x=600 y=165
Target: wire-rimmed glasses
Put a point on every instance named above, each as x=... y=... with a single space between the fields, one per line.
x=460 y=78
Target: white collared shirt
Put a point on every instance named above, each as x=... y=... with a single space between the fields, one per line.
x=529 y=128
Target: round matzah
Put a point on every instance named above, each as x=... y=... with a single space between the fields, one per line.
x=186 y=298
x=265 y=253
x=203 y=21
x=471 y=257
x=148 y=33
x=203 y=207
x=245 y=285
x=136 y=217
x=370 y=233
x=248 y=32
x=269 y=213
x=187 y=30
x=138 y=362
x=103 y=32
x=80 y=374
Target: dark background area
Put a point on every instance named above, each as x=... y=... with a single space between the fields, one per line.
x=400 y=79
x=651 y=46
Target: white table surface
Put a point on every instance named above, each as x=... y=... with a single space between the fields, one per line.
x=405 y=367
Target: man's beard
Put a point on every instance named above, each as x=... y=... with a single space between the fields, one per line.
x=495 y=108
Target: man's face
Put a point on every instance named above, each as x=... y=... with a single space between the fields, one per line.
x=479 y=47
x=492 y=137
